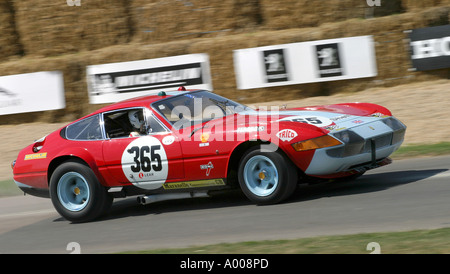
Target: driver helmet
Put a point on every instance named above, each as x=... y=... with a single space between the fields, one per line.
x=136 y=118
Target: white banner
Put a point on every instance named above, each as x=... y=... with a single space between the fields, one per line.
x=306 y=62
x=37 y=91
x=113 y=82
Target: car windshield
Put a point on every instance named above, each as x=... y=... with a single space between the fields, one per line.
x=193 y=108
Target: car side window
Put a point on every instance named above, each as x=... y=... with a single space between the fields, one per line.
x=123 y=123
x=130 y=123
x=86 y=129
x=154 y=125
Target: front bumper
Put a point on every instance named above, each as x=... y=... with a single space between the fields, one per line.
x=364 y=147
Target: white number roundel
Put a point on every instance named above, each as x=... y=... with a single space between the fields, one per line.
x=319 y=121
x=144 y=163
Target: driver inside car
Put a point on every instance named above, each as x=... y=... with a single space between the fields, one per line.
x=137 y=121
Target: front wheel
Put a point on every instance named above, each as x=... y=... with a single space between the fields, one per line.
x=77 y=194
x=267 y=177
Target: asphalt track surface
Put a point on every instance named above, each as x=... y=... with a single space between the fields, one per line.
x=406 y=195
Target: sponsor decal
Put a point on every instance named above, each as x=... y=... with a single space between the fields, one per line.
x=20 y=93
x=378 y=114
x=250 y=129
x=203 y=145
x=204 y=137
x=332 y=127
x=430 y=48
x=305 y=62
x=357 y=121
x=275 y=65
x=328 y=60
x=341 y=117
x=207 y=167
x=35 y=156
x=338 y=129
x=118 y=81
x=286 y=134
x=168 y=140
x=193 y=184
x=144 y=79
x=189 y=74
x=8 y=98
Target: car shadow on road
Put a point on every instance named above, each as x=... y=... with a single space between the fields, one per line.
x=129 y=207
x=364 y=184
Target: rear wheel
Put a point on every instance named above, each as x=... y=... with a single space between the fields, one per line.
x=77 y=194
x=267 y=177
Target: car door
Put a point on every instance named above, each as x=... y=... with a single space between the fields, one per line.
x=206 y=152
x=145 y=159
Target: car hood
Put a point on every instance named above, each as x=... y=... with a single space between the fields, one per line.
x=331 y=117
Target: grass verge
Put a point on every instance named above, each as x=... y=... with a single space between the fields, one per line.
x=9 y=188
x=417 y=150
x=436 y=241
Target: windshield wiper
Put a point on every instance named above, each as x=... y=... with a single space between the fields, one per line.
x=221 y=104
x=196 y=129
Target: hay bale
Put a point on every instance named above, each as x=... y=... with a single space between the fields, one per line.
x=50 y=28
x=9 y=41
x=420 y=4
x=284 y=14
x=161 y=21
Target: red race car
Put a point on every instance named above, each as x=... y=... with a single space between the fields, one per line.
x=186 y=143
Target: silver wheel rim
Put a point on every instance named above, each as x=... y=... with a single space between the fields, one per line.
x=73 y=191
x=260 y=175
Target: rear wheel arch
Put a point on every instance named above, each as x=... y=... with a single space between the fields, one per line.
x=76 y=192
x=67 y=158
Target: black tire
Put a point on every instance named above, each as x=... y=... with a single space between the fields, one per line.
x=267 y=176
x=77 y=194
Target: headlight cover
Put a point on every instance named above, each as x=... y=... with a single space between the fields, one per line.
x=319 y=142
x=354 y=144
x=398 y=127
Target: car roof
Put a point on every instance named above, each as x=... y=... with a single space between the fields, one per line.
x=142 y=101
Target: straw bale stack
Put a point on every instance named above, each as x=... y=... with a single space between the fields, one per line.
x=49 y=28
x=420 y=4
x=284 y=14
x=161 y=21
x=9 y=41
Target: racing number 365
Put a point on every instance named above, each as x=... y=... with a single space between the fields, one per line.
x=144 y=157
x=311 y=120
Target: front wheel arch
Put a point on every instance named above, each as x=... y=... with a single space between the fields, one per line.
x=238 y=152
x=272 y=169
